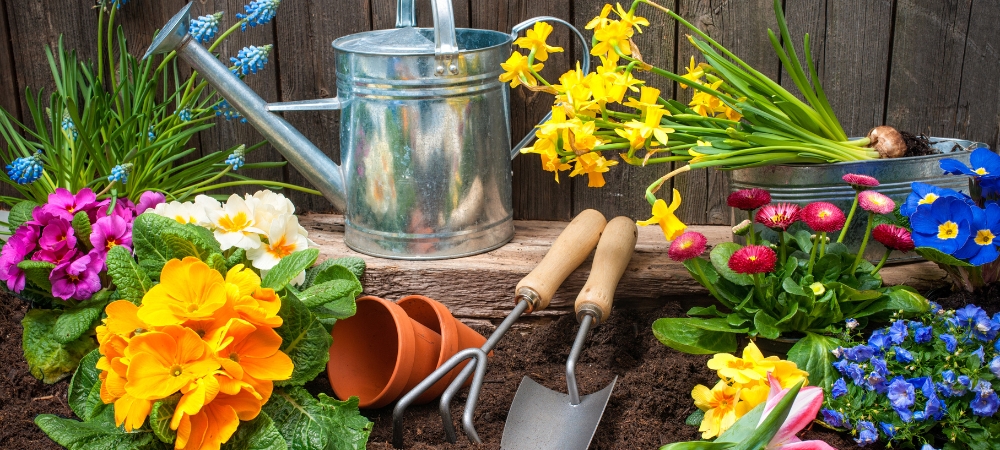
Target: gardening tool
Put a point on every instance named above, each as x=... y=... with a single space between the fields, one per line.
x=425 y=148
x=540 y=418
x=532 y=293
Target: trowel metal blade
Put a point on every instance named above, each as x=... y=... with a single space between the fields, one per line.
x=542 y=419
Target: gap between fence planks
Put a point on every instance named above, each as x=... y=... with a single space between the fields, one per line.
x=482 y=286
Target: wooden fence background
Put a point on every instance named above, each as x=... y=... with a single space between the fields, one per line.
x=925 y=66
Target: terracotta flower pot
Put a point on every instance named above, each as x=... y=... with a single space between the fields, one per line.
x=455 y=336
x=380 y=353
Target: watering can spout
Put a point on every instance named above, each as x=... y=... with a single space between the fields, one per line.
x=309 y=160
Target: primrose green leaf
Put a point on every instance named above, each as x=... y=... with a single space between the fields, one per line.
x=20 y=213
x=703 y=271
x=711 y=311
x=335 y=295
x=147 y=238
x=190 y=240
x=720 y=259
x=736 y=320
x=906 y=299
x=304 y=340
x=82 y=384
x=814 y=354
x=81 y=225
x=48 y=360
x=352 y=263
x=289 y=268
x=791 y=287
x=716 y=324
x=682 y=335
x=928 y=253
x=324 y=423
x=159 y=419
x=766 y=325
x=217 y=262
x=257 y=434
x=695 y=418
x=76 y=435
x=236 y=258
x=129 y=278
x=37 y=272
x=77 y=320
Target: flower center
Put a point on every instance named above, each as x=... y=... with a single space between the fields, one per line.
x=752 y=258
x=192 y=307
x=72 y=277
x=981 y=171
x=234 y=223
x=984 y=237
x=234 y=356
x=280 y=249
x=685 y=245
x=824 y=214
x=112 y=243
x=928 y=199
x=176 y=370
x=947 y=230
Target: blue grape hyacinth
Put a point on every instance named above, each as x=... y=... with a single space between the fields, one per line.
x=27 y=169
x=184 y=115
x=151 y=134
x=68 y=126
x=250 y=59
x=258 y=12
x=226 y=110
x=238 y=158
x=120 y=173
x=203 y=28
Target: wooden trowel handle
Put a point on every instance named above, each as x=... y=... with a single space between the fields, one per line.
x=614 y=252
x=570 y=249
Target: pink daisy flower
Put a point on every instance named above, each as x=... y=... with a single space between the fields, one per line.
x=876 y=202
x=822 y=217
x=893 y=237
x=688 y=245
x=778 y=216
x=753 y=259
x=860 y=182
x=749 y=199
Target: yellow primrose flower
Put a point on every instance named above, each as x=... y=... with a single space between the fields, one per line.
x=630 y=19
x=694 y=73
x=614 y=34
x=751 y=367
x=751 y=395
x=663 y=216
x=518 y=72
x=535 y=41
x=719 y=404
x=594 y=165
x=601 y=20
x=647 y=99
x=788 y=374
x=651 y=126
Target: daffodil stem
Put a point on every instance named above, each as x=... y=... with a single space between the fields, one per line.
x=864 y=243
x=651 y=190
x=812 y=253
x=850 y=217
x=885 y=257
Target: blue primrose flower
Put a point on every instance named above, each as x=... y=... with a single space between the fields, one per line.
x=985 y=227
x=935 y=307
x=925 y=194
x=840 y=386
x=986 y=402
x=982 y=162
x=898 y=332
x=903 y=355
x=203 y=28
x=933 y=409
x=258 y=12
x=866 y=433
x=27 y=169
x=841 y=366
x=950 y=343
x=251 y=59
x=835 y=419
x=944 y=225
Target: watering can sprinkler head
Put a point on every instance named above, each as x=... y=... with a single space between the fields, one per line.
x=173 y=33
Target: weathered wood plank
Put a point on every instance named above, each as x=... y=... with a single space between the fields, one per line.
x=979 y=99
x=624 y=193
x=535 y=193
x=10 y=92
x=482 y=286
x=925 y=77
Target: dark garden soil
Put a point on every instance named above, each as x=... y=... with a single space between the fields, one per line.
x=22 y=396
x=917 y=145
x=987 y=298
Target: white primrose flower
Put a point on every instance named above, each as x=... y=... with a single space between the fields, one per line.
x=234 y=225
x=186 y=212
x=268 y=206
x=283 y=239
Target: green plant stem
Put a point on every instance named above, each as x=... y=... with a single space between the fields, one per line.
x=781 y=247
x=261 y=182
x=850 y=218
x=822 y=244
x=885 y=257
x=812 y=253
x=864 y=243
x=709 y=286
x=751 y=235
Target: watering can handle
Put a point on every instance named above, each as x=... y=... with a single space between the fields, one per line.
x=445 y=42
x=584 y=66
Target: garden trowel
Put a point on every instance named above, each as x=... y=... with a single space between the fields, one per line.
x=541 y=418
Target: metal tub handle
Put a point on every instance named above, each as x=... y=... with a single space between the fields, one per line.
x=445 y=42
x=584 y=66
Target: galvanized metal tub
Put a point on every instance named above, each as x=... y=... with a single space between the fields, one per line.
x=807 y=183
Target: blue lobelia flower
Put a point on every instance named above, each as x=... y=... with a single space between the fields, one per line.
x=203 y=28
x=898 y=332
x=986 y=402
x=972 y=317
x=949 y=386
x=903 y=355
x=876 y=382
x=982 y=163
x=835 y=419
x=944 y=225
x=924 y=194
x=238 y=158
x=985 y=227
x=950 y=343
x=856 y=373
x=923 y=334
x=840 y=386
x=120 y=173
x=866 y=433
x=879 y=365
x=251 y=59
x=901 y=396
x=889 y=429
x=27 y=169
x=258 y=12
x=994 y=367
x=860 y=353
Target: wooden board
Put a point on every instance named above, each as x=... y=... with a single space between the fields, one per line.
x=10 y=92
x=979 y=99
x=482 y=286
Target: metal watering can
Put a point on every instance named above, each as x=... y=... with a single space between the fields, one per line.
x=425 y=132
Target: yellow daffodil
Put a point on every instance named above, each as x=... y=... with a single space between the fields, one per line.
x=634 y=136
x=647 y=99
x=535 y=41
x=517 y=71
x=613 y=35
x=694 y=73
x=706 y=104
x=601 y=20
x=580 y=137
x=663 y=216
x=594 y=165
x=650 y=126
x=630 y=19
x=729 y=113
x=719 y=405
